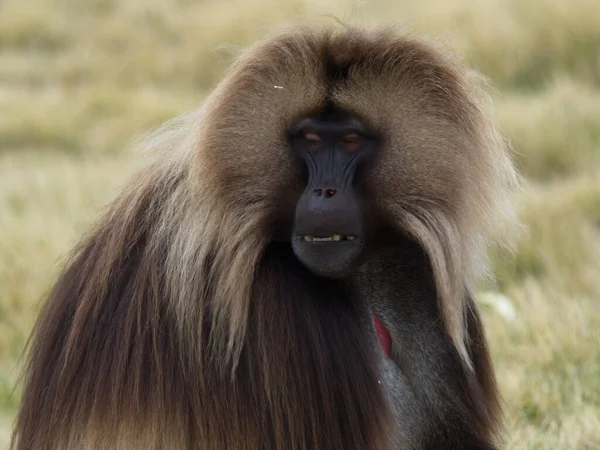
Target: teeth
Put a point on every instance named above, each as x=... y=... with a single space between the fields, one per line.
x=334 y=238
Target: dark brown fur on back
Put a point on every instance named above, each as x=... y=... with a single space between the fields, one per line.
x=180 y=324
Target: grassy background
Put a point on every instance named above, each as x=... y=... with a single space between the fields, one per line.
x=80 y=79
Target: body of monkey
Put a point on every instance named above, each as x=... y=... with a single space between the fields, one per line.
x=334 y=179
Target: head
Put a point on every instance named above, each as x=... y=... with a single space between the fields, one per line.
x=353 y=132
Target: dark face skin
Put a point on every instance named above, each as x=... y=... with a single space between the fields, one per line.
x=329 y=227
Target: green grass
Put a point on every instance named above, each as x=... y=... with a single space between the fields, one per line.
x=561 y=132
x=81 y=79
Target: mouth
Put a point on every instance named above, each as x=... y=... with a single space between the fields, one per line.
x=330 y=255
x=332 y=238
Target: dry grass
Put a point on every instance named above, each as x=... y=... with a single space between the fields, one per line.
x=79 y=79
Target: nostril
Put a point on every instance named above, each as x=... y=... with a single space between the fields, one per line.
x=327 y=193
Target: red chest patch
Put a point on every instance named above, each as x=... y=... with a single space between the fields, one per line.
x=383 y=335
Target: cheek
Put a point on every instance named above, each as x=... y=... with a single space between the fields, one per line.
x=266 y=170
x=283 y=176
x=276 y=184
x=384 y=183
x=425 y=172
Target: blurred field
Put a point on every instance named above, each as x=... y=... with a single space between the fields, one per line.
x=80 y=79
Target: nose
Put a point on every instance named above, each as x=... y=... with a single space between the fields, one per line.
x=325 y=193
x=325 y=211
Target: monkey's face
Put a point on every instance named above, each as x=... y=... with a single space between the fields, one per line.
x=329 y=230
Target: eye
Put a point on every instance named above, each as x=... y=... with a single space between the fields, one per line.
x=351 y=142
x=314 y=141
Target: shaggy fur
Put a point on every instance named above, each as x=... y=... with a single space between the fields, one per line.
x=180 y=323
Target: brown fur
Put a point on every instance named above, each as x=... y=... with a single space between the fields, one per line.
x=179 y=324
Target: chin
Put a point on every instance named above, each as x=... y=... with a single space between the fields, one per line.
x=331 y=259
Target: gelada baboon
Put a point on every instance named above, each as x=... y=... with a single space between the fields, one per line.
x=294 y=270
